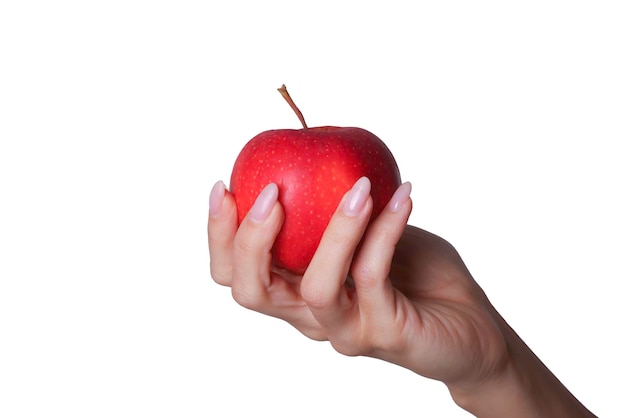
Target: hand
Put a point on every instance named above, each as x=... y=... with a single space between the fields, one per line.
x=389 y=291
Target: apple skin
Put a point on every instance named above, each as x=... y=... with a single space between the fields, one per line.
x=313 y=168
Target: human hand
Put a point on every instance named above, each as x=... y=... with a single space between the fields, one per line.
x=389 y=291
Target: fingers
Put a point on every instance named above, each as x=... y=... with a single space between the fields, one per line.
x=322 y=286
x=241 y=258
x=234 y=251
x=252 y=249
x=357 y=324
x=321 y=305
x=222 y=227
x=371 y=267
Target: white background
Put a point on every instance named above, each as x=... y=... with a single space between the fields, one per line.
x=117 y=117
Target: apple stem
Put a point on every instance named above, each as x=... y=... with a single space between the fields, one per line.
x=283 y=91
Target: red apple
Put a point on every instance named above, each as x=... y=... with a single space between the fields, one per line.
x=313 y=168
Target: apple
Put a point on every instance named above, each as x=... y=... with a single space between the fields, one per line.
x=313 y=168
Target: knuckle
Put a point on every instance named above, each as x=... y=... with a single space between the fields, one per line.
x=340 y=237
x=243 y=248
x=220 y=276
x=314 y=295
x=366 y=276
x=343 y=236
x=245 y=297
x=315 y=333
x=348 y=346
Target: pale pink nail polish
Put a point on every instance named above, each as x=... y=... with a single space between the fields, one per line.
x=357 y=196
x=216 y=198
x=400 y=197
x=264 y=203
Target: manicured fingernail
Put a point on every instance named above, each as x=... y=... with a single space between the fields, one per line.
x=264 y=203
x=216 y=198
x=400 y=197
x=356 y=197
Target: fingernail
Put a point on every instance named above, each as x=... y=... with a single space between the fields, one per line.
x=216 y=198
x=357 y=196
x=264 y=203
x=400 y=197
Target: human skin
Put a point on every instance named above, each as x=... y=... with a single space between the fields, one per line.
x=390 y=291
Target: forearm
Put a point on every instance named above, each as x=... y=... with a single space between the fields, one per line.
x=525 y=388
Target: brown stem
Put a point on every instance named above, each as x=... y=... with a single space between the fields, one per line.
x=285 y=94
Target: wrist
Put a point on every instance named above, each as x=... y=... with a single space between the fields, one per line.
x=523 y=387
